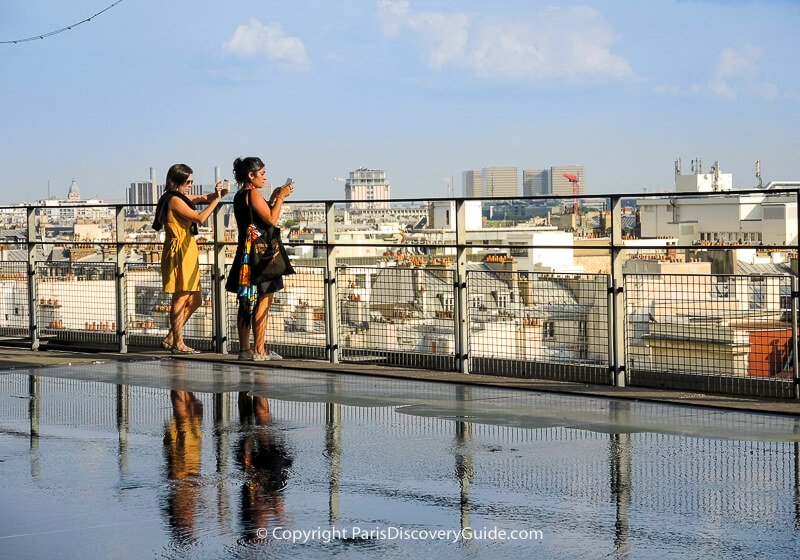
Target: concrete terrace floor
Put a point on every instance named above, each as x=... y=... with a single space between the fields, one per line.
x=12 y=359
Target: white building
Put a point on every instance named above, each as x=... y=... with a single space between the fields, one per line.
x=756 y=218
x=67 y=212
x=442 y=214
x=368 y=186
x=540 y=248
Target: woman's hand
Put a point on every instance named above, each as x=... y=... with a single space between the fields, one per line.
x=282 y=192
x=222 y=188
x=286 y=190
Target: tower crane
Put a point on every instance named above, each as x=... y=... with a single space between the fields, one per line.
x=574 y=180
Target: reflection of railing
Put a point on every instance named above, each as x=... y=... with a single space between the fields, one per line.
x=723 y=478
x=615 y=310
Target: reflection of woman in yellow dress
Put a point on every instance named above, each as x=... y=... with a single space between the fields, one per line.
x=183 y=448
x=180 y=268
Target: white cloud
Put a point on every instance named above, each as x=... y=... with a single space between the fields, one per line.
x=739 y=63
x=444 y=36
x=257 y=39
x=557 y=43
x=738 y=73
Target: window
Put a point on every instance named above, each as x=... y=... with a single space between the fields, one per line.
x=447 y=303
x=549 y=329
x=723 y=289
x=758 y=293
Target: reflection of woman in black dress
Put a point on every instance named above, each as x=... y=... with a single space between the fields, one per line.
x=182 y=446
x=265 y=463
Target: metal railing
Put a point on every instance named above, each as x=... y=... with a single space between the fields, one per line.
x=457 y=296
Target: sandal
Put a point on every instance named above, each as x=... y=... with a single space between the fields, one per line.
x=185 y=350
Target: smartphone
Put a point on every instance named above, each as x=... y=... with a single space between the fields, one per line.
x=289 y=181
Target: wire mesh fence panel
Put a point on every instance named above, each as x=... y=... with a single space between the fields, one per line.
x=77 y=302
x=14 y=310
x=144 y=252
x=148 y=307
x=296 y=320
x=526 y=324
x=87 y=223
x=398 y=315
x=396 y=220
x=721 y=333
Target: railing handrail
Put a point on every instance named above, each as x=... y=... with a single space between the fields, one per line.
x=515 y=198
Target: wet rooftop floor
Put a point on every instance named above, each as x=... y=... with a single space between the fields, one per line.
x=183 y=459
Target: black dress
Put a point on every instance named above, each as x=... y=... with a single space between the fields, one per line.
x=241 y=212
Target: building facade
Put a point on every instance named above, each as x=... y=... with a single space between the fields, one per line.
x=369 y=186
x=535 y=182
x=472 y=182
x=499 y=182
x=755 y=218
x=143 y=195
x=491 y=182
x=560 y=185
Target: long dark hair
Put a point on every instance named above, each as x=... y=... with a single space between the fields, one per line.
x=242 y=168
x=177 y=176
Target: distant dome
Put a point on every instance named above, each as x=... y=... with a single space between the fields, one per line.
x=74 y=193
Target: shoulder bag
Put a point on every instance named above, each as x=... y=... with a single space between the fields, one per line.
x=268 y=258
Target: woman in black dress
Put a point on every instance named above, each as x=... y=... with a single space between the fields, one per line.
x=251 y=175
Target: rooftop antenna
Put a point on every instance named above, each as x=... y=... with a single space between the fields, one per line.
x=449 y=182
x=677 y=167
x=48 y=189
x=758 y=175
x=715 y=180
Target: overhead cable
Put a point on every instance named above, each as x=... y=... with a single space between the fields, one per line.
x=57 y=31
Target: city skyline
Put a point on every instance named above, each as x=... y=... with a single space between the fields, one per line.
x=420 y=89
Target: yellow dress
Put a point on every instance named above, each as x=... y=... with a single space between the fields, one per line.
x=180 y=264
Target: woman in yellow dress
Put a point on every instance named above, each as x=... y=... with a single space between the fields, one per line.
x=180 y=266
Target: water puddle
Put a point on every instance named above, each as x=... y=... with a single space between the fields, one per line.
x=207 y=461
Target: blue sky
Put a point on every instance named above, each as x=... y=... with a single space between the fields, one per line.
x=423 y=89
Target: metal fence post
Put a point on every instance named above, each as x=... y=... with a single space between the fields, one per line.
x=619 y=360
x=795 y=345
x=460 y=300
x=795 y=296
x=121 y=281
x=331 y=299
x=33 y=311
x=219 y=295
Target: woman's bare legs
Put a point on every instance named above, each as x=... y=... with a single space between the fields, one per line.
x=244 y=336
x=183 y=305
x=261 y=318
